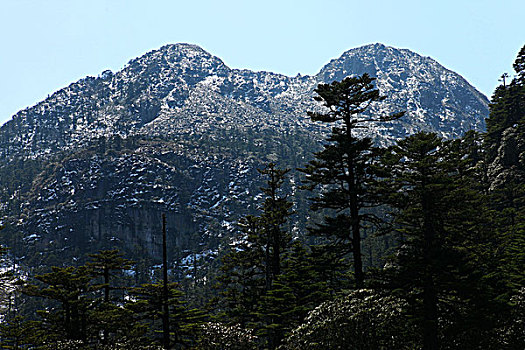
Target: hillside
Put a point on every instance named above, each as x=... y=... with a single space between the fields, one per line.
x=178 y=131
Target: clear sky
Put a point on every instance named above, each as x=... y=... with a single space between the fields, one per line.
x=46 y=45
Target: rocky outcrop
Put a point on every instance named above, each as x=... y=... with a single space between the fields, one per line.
x=508 y=166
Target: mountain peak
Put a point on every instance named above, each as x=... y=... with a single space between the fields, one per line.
x=180 y=54
x=376 y=46
x=373 y=48
x=186 y=48
x=180 y=88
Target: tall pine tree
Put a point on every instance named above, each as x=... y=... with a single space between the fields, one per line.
x=340 y=170
x=436 y=211
x=108 y=315
x=275 y=212
x=251 y=269
x=242 y=280
x=66 y=288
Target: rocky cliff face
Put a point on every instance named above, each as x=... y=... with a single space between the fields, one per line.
x=96 y=198
x=508 y=166
x=178 y=131
x=505 y=137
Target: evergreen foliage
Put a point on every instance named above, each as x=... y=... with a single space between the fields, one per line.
x=146 y=306
x=363 y=319
x=275 y=212
x=430 y=188
x=340 y=170
x=78 y=314
x=6 y=280
x=67 y=287
x=505 y=159
x=218 y=336
x=506 y=130
x=103 y=264
x=17 y=333
x=455 y=210
x=513 y=333
x=253 y=295
x=109 y=317
x=242 y=281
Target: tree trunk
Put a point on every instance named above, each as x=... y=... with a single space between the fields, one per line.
x=268 y=264
x=356 y=243
x=165 y=298
x=355 y=227
x=276 y=252
x=106 y=284
x=430 y=299
x=430 y=326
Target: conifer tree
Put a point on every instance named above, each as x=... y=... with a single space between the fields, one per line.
x=264 y=242
x=513 y=333
x=103 y=264
x=519 y=66
x=108 y=316
x=252 y=267
x=308 y=287
x=340 y=170
x=6 y=279
x=243 y=275
x=17 y=333
x=507 y=120
x=295 y=292
x=147 y=308
x=436 y=213
x=67 y=286
x=275 y=212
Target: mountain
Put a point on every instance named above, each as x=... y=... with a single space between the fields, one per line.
x=178 y=131
x=182 y=89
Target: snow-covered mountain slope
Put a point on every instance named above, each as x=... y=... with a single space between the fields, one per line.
x=435 y=98
x=182 y=89
x=178 y=131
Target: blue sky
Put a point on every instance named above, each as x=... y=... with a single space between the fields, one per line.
x=46 y=45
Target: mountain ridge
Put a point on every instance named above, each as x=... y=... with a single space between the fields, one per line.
x=178 y=131
x=166 y=77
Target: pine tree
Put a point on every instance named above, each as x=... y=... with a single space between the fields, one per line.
x=340 y=170
x=108 y=316
x=275 y=211
x=519 y=66
x=147 y=303
x=242 y=279
x=513 y=333
x=68 y=287
x=295 y=292
x=16 y=333
x=440 y=261
x=6 y=280
x=253 y=265
x=103 y=264
x=506 y=126
x=301 y=275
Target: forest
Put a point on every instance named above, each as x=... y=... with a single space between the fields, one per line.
x=452 y=275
